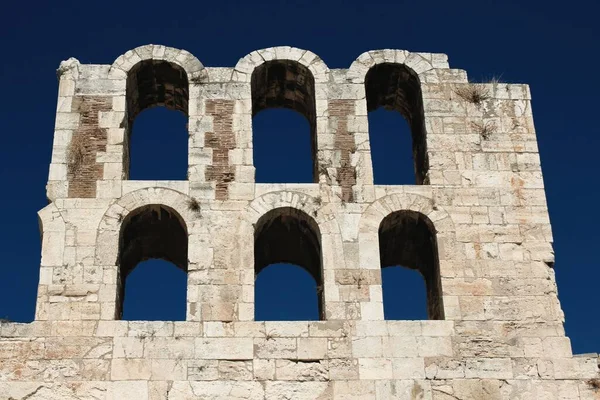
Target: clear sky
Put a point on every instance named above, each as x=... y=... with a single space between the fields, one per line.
x=552 y=46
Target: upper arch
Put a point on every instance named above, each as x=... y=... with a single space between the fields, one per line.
x=246 y=65
x=191 y=65
x=414 y=61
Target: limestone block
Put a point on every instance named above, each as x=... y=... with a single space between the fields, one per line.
x=66 y=121
x=400 y=346
x=203 y=370
x=127 y=347
x=434 y=346
x=498 y=368
x=111 y=328
x=368 y=347
x=286 y=329
x=224 y=348
x=53 y=391
x=105 y=87
x=444 y=368
x=339 y=348
x=235 y=370
x=167 y=348
x=375 y=368
x=52 y=248
x=127 y=390
x=187 y=329
x=276 y=390
x=301 y=370
x=150 y=329
x=130 y=369
x=239 y=390
x=575 y=368
x=408 y=368
x=312 y=348
x=274 y=347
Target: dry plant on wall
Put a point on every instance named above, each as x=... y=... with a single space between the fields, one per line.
x=359 y=279
x=75 y=154
x=496 y=79
x=322 y=170
x=193 y=205
x=473 y=93
x=484 y=129
x=594 y=384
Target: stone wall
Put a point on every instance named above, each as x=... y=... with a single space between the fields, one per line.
x=496 y=327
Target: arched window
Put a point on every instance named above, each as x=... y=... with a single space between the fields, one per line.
x=288 y=236
x=153 y=232
x=395 y=87
x=407 y=239
x=157 y=144
x=284 y=144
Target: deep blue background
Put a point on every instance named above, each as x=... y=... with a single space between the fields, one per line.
x=553 y=46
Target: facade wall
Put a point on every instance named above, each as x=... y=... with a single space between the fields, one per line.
x=502 y=333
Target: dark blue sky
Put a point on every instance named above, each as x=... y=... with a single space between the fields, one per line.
x=553 y=46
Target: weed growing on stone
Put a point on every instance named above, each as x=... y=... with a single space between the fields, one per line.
x=193 y=205
x=473 y=93
x=485 y=130
x=594 y=384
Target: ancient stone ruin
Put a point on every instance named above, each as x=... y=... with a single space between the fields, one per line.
x=475 y=225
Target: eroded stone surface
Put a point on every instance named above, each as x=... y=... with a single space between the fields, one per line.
x=476 y=225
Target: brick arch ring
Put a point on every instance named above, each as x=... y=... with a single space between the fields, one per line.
x=246 y=65
x=109 y=228
x=193 y=68
x=414 y=61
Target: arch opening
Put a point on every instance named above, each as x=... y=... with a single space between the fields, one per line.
x=155 y=291
x=289 y=236
x=150 y=84
x=153 y=232
x=284 y=84
x=396 y=87
x=407 y=239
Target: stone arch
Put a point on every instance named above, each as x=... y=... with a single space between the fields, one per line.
x=326 y=222
x=286 y=235
x=359 y=68
x=323 y=215
x=245 y=66
x=391 y=80
x=426 y=223
x=150 y=76
x=187 y=61
x=289 y=78
x=382 y=207
x=109 y=228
